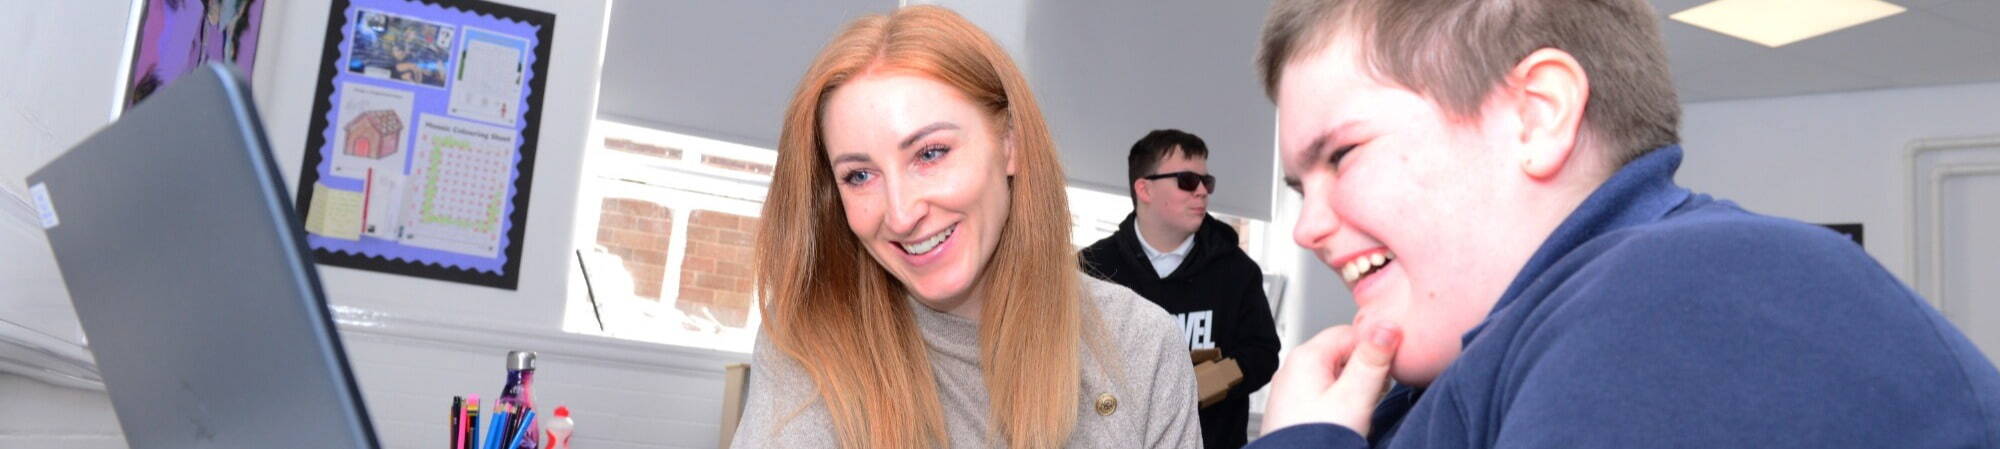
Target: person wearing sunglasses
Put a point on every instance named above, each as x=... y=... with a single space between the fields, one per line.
x=1173 y=253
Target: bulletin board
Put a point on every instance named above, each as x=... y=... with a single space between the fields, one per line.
x=422 y=143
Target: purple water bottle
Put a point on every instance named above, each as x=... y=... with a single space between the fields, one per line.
x=519 y=395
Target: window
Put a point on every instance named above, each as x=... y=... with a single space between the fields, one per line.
x=675 y=219
x=669 y=261
x=1095 y=215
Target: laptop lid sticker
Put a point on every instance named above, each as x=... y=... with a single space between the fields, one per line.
x=43 y=207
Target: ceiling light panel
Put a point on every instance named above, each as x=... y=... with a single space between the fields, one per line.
x=1774 y=23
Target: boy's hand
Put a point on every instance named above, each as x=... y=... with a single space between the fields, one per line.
x=1336 y=377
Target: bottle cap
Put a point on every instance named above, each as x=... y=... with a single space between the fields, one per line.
x=520 y=360
x=562 y=411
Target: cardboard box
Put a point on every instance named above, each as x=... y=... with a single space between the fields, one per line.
x=735 y=389
x=1213 y=379
x=1203 y=355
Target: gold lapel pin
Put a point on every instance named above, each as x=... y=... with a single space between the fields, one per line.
x=1106 y=404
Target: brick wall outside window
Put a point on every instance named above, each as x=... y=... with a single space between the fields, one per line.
x=681 y=215
x=637 y=231
x=737 y=165
x=640 y=148
x=715 y=275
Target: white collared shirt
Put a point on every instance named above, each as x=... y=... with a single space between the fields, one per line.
x=1164 y=263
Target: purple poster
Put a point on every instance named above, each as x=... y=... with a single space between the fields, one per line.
x=175 y=36
x=422 y=145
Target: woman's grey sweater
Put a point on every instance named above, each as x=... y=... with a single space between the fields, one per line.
x=1149 y=378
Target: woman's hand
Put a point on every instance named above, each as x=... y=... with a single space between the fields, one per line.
x=1336 y=377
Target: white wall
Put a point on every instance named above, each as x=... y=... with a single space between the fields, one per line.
x=288 y=66
x=37 y=415
x=45 y=108
x=1831 y=158
x=413 y=343
x=623 y=394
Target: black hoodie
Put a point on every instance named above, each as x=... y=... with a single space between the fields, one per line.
x=1217 y=294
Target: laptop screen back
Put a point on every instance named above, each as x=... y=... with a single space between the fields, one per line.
x=188 y=272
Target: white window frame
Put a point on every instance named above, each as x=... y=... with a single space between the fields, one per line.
x=682 y=186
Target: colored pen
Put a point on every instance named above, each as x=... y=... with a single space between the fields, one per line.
x=527 y=420
x=498 y=430
x=457 y=422
x=470 y=434
x=513 y=422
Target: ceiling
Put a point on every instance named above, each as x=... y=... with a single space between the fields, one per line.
x=1934 y=42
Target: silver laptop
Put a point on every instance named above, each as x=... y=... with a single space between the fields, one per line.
x=190 y=275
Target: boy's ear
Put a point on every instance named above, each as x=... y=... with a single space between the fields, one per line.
x=1549 y=91
x=1142 y=191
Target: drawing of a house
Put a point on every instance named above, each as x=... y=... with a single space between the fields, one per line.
x=373 y=134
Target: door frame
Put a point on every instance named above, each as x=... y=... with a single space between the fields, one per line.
x=1925 y=239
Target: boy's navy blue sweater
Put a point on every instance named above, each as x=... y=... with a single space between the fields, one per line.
x=1654 y=317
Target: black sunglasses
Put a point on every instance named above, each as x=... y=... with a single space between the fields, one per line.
x=1187 y=180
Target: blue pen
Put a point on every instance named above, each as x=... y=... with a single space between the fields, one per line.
x=498 y=430
x=527 y=421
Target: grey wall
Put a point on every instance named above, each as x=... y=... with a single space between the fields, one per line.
x=721 y=70
x=1006 y=21
x=1107 y=72
x=1315 y=298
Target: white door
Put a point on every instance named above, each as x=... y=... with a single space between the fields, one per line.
x=1971 y=231
x=1958 y=236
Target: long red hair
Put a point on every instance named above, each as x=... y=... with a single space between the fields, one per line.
x=834 y=309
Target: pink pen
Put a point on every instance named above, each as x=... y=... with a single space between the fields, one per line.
x=470 y=437
x=458 y=434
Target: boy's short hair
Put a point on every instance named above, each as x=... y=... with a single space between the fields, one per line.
x=1455 y=52
x=1155 y=147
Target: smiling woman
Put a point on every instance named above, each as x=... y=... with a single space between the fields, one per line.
x=915 y=266
x=914 y=196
